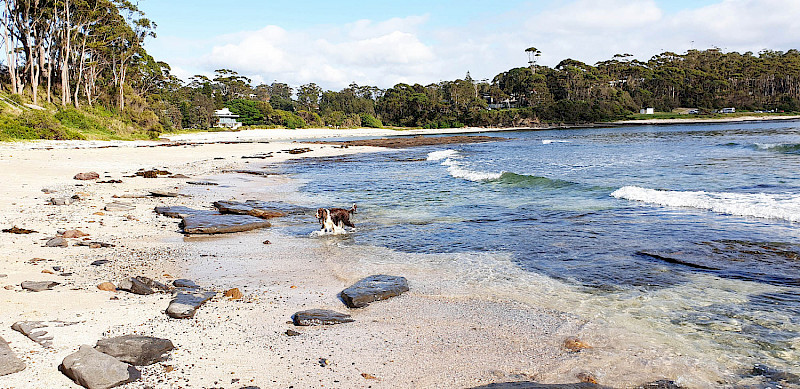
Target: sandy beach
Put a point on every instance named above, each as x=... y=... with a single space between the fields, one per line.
x=444 y=333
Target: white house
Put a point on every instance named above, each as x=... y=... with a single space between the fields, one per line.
x=647 y=111
x=226 y=119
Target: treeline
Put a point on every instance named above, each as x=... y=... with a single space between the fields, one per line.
x=84 y=62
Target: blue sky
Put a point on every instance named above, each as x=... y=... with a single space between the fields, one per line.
x=381 y=43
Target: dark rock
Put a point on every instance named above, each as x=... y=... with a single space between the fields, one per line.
x=9 y=363
x=208 y=183
x=184 y=283
x=534 y=385
x=775 y=375
x=221 y=224
x=142 y=285
x=254 y=172
x=182 y=176
x=163 y=193
x=677 y=258
x=95 y=370
x=17 y=230
x=153 y=173
x=136 y=350
x=100 y=262
x=186 y=303
x=180 y=211
x=87 y=176
x=118 y=206
x=374 y=288
x=250 y=207
x=317 y=317
x=110 y=182
x=94 y=245
x=292 y=333
x=38 y=286
x=33 y=330
x=61 y=201
x=57 y=242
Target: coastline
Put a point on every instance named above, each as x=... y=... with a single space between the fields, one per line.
x=441 y=334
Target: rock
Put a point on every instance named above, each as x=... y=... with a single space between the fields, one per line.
x=234 y=294
x=73 y=234
x=180 y=211
x=775 y=375
x=17 y=230
x=9 y=363
x=575 y=345
x=250 y=207
x=118 y=206
x=142 y=285
x=136 y=350
x=184 y=283
x=586 y=377
x=368 y=376
x=324 y=362
x=221 y=224
x=208 y=183
x=87 y=176
x=316 y=317
x=31 y=330
x=267 y=242
x=534 y=385
x=57 y=242
x=107 y=287
x=163 y=193
x=110 y=182
x=8 y=287
x=100 y=262
x=182 y=176
x=292 y=333
x=186 y=303
x=94 y=245
x=374 y=288
x=38 y=286
x=95 y=370
x=63 y=200
x=153 y=173
x=660 y=384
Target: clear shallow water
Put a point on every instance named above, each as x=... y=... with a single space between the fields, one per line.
x=718 y=205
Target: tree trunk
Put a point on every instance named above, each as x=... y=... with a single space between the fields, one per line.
x=80 y=71
x=65 y=89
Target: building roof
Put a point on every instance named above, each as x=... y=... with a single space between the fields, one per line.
x=225 y=113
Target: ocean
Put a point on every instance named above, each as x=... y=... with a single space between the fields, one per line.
x=685 y=234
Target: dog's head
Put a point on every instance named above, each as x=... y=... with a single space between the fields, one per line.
x=320 y=215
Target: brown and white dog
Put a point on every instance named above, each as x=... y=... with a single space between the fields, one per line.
x=335 y=218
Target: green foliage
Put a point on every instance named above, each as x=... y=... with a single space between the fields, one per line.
x=72 y=118
x=35 y=124
x=291 y=120
x=249 y=111
x=368 y=120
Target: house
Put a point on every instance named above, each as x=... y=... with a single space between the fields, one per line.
x=728 y=110
x=226 y=118
x=647 y=111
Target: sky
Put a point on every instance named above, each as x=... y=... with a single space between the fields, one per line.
x=385 y=42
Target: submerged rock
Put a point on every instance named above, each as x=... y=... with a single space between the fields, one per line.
x=95 y=370
x=9 y=363
x=250 y=207
x=374 y=288
x=136 y=350
x=221 y=224
x=38 y=286
x=317 y=317
x=186 y=303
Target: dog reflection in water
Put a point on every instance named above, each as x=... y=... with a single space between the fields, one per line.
x=333 y=220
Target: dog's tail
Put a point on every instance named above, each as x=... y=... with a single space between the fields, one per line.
x=352 y=210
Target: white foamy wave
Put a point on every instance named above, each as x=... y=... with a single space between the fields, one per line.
x=551 y=141
x=442 y=154
x=762 y=205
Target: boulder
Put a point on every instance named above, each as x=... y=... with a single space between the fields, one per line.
x=250 y=207
x=142 y=285
x=374 y=288
x=221 y=224
x=136 y=350
x=186 y=303
x=119 y=206
x=38 y=286
x=9 y=363
x=95 y=370
x=57 y=242
x=87 y=176
x=317 y=317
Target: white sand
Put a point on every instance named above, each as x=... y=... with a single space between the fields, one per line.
x=442 y=334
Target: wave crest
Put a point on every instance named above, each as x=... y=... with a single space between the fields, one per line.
x=785 y=148
x=762 y=205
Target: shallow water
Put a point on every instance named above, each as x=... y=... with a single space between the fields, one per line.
x=587 y=209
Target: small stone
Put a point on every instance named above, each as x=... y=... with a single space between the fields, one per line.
x=73 y=234
x=291 y=332
x=184 y=283
x=575 y=345
x=135 y=349
x=586 y=377
x=9 y=287
x=107 y=287
x=233 y=294
x=267 y=242
x=324 y=362
x=95 y=370
x=316 y=317
x=100 y=262
x=17 y=230
x=87 y=176
x=99 y=214
x=57 y=242
x=369 y=376
x=38 y=286
x=118 y=206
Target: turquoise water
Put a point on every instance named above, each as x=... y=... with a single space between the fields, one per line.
x=700 y=221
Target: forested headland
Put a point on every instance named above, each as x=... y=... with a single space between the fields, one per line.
x=75 y=69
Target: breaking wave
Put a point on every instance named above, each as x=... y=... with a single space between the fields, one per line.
x=551 y=141
x=456 y=167
x=785 y=148
x=766 y=206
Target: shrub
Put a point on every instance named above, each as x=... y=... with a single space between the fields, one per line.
x=368 y=120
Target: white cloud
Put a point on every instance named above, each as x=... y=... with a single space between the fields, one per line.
x=413 y=49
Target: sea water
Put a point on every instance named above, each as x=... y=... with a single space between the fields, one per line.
x=686 y=233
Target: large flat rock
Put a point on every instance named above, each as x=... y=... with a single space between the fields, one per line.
x=179 y=211
x=136 y=350
x=9 y=363
x=250 y=207
x=374 y=288
x=221 y=224
x=94 y=370
x=186 y=303
x=319 y=317
x=35 y=330
x=38 y=286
